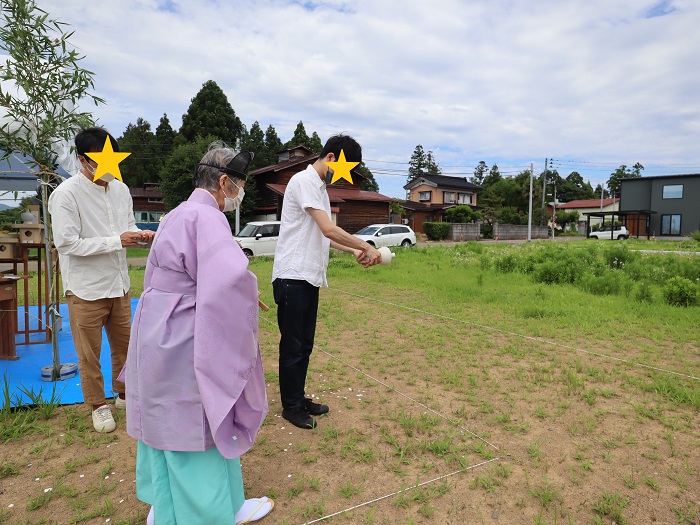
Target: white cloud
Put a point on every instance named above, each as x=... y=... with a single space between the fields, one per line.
x=597 y=82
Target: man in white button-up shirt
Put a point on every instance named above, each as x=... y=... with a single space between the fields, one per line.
x=92 y=224
x=301 y=260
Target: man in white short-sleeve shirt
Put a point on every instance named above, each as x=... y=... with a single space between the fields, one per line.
x=299 y=270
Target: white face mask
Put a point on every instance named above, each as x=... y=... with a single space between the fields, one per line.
x=232 y=204
x=106 y=177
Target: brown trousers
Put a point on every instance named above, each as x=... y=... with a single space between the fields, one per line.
x=86 y=321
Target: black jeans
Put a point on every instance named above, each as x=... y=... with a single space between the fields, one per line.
x=297 y=306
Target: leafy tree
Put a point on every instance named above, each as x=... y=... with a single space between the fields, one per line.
x=44 y=70
x=46 y=84
x=623 y=172
x=144 y=164
x=509 y=215
x=566 y=217
x=396 y=207
x=479 y=173
x=462 y=213
x=368 y=184
x=210 y=113
x=300 y=138
x=316 y=145
x=574 y=188
x=422 y=163
x=176 y=175
x=490 y=201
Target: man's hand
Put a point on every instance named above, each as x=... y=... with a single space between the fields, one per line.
x=368 y=258
x=131 y=239
x=147 y=236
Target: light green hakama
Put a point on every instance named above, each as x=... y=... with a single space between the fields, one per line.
x=189 y=488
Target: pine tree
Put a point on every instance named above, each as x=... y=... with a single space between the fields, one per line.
x=422 y=163
x=273 y=145
x=210 y=113
x=416 y=166
x=368 y=184
x=300 y=138
x=479 y=173
x=254 y=140
x=316 y=145
x=165 y=136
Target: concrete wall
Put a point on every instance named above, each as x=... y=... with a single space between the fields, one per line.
x=465 y=231
x=517 y=231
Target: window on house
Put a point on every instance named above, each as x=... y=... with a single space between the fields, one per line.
x=673 y=191
x=155 y=199
x=464 y=198
x=448 y=197
x=424 y=196
x=670 y=225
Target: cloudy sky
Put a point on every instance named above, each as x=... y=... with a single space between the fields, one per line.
x=591 y=83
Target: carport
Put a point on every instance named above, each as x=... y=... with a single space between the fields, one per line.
x=637 y=222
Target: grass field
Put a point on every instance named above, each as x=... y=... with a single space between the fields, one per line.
x=471 y=384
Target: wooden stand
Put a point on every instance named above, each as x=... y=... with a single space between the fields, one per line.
x=41 y=323
x=8 y=318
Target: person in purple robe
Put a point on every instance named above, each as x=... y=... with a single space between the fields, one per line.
x=194 y=379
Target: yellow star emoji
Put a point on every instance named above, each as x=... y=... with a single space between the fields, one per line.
x=341 y=168
x=107 y=161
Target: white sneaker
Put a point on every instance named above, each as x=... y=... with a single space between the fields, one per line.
x=120 y=403
x=102 y=419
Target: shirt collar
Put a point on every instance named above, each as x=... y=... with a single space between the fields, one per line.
x=202 y=196
x=90 y=184
x=322 y=183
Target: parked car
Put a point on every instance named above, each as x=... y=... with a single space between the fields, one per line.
x=379 y=235
x=259 y=238
x=605 y=232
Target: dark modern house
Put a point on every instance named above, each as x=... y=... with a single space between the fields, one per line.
x=662 y=205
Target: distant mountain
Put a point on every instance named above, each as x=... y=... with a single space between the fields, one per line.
x=4 y=207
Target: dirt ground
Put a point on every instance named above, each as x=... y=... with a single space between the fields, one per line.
x=426 y=426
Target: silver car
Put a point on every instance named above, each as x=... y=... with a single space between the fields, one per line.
x=379 y=235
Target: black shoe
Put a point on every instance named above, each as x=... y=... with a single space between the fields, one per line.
x=315 y=409
x=299 y=418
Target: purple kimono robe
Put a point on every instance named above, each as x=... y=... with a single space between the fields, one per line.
x=194 y=376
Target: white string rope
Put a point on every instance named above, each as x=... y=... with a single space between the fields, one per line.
x=451 y=421
x=400 y=491
x=418 y=403
x=529 y=337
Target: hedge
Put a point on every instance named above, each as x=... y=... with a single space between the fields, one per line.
x=436 y=231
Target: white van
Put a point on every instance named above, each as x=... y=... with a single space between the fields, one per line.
x=259 y=238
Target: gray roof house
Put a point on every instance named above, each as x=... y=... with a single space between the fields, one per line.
x=668 y=202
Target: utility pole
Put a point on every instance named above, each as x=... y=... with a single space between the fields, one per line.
x=529 y=213
x=544 y=185
x=554 y=210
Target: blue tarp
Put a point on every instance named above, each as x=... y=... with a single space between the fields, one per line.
x=24 y=374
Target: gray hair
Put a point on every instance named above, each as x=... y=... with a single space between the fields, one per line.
x=218 y=154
